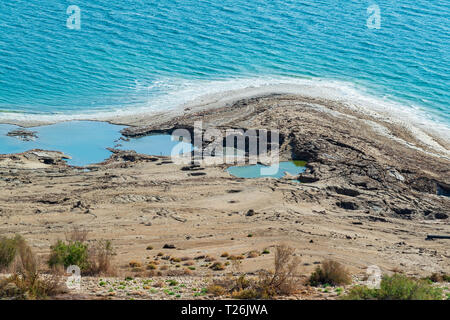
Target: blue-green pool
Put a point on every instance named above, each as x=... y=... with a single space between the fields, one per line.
x=257 y=171
x=86 y=141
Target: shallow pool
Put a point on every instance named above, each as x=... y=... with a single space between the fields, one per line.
x=261 y=171
x=86 y=141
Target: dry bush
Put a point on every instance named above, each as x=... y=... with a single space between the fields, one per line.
x=77 y=235
x=253 y=254
x=134 y=264
x=178 y=273
x=8 y=250
x=26 y=281
x=189 y=263
x=281 y=281
x=224 y=255
x=217 y=266
x=100 y=258
x=210 y=259
x=331 y=272
x=216 y=290
x=158 y=284
x=438 y=277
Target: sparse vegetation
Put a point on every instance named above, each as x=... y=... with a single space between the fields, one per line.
x=92 y=259
x=331 y=272
x=217 y=266
x=281 y=281
x=67 y=254
x=397 y=287
x=8 y=250
x=253 y=254
x=26 y=281
x=438 y=277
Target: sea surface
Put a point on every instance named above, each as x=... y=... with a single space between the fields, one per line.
x=144 y=55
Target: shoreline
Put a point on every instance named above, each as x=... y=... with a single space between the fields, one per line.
x=429 y=140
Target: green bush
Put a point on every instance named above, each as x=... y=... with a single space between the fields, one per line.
x=8 y=250
x=397 y=287
x=361 y=293
x=67 y=254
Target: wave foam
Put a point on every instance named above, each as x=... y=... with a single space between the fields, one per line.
x=173 y=94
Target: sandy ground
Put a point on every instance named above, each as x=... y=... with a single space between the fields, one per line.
x=368 y=197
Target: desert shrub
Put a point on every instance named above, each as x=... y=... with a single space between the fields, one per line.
x=438 y=277
x=361 y=293
x=26 y=282
x=331 y=272
x=68 y=254
x=151 y=267
x=8 y=250
x=216 y=290
x=400 y=287
x=281 y=281
x=397 y=287
x=100 y=258
x=77 y=235
x=210 y=259
x=92 y=259
x=135 y=264
x=245 y=294
x=217 y=266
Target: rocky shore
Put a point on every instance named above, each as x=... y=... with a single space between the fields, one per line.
x=372 y=192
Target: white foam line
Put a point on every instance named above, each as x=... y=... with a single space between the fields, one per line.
x=178 y=94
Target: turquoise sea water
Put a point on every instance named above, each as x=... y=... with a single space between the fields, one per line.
x=154 y=55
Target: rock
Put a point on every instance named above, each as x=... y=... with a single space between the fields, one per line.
x=250 y=213
x=403 y=211
x=23 y=135
x=347 y=205
x=195 y=174
x=306 y=178
x=441 y=215
x=169 y=246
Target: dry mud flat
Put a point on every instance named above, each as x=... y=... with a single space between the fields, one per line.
x=371 y=194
